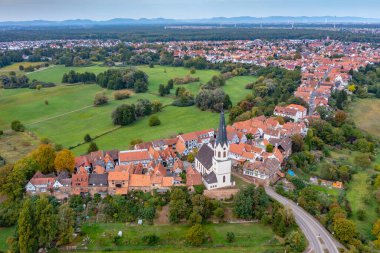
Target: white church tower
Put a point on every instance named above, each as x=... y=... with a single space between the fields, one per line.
x=221 y=161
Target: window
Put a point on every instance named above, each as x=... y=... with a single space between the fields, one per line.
x=224 y=179
x=218 y=153
x=224 y=154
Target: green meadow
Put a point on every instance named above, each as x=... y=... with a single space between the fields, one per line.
x=250 y=237
x=65 y=113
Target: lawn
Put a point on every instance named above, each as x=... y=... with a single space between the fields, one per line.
x=365 y=113
x=69 y=114
x=356 y=195
x=329 y=191
x=250 y=237
x=4 y=234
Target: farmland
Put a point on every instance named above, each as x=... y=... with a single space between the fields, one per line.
x=65 y=113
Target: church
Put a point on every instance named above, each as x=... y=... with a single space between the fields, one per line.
x=213 y=162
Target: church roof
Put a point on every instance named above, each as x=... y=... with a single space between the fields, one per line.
x=210 y=178
x=205 y=155
x=221 y=138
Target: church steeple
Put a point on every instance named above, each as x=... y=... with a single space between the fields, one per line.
x=221 y=138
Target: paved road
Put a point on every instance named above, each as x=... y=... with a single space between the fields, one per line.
x=320 y=240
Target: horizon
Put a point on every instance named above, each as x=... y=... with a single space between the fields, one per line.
x=100 y=10
x=190 y=19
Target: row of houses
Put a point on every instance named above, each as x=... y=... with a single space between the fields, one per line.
x=159 y=165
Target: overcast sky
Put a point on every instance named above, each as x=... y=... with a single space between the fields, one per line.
x=181 y=9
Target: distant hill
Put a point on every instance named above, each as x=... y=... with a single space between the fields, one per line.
x=215 y=20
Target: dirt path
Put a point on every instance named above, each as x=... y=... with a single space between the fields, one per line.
x=60 y=115
x=162 y=217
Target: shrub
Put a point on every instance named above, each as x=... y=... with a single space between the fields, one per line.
x=151 y=239
x=219 y=213
x=154 y=121
x=122 y=94
x=195 y=236
x=185 y=80
x=1 y=132
x=249 y=86
x=192 y=71
x=135 y=141
x=92 y=147
x=230 y=237
x=46 y=102
x=87 y=138
x=100 y=99
x=17 y=126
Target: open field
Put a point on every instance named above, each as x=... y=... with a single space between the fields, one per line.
x=366 y=113
x=174 y=120
x=4 y=234
x=13 y=145
x=15 y=66
x=70 y=115
x=250 y=237
x=357 y=194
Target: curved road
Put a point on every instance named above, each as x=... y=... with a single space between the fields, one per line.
x=320 y=240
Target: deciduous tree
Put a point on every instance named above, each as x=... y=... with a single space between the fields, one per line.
x=64 y=161
x=45 y=156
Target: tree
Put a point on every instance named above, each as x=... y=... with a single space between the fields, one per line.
x=140 y=86
x=296 y=241
x=45 y=156
x=178 y=206
x=297 y=143
x=161 y=90
x=100 y=99
x=234 y=112
x=46 y=222
x=269 y=148
x=27 y=236
x=66 y=220
x=195 y=236
x=92 y=147
x=124 y=115
x=250 y=202
x=352 y=88
x=14 y=179
x=154 y=121
x=87 y=138
x=65 y=161
x=344 y=230
x=17 y=126
x=156 y=106
x=340 y=117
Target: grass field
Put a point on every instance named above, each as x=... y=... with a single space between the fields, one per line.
x=356 y=195
x=365 y=113
x=4 y=234
x=250 y=237
x=15 y=66
x=70 y=115
x=15 y=145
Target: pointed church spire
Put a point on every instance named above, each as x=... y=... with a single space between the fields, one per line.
x=221 y=138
